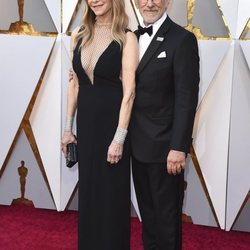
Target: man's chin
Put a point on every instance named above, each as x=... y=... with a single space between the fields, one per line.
x=148 y=21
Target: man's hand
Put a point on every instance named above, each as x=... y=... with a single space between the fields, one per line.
x=71 y=74
x=176 y=161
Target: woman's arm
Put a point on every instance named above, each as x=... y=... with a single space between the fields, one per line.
x=130 y=60
x=71 y=103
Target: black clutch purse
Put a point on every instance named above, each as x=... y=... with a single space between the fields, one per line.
x=71 y=158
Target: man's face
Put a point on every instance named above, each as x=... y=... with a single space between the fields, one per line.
x=151 y=10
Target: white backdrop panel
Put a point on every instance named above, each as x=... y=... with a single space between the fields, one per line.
x=35 y=188
x=74 y=202
x=68 y=10
x=211 y=55
x=211 y=134
x=239 y=170
x=77 y=21
x=195 y=202
x=242 y=224
x=245 y=45
x=230 y=11
x=178 y=11
x=243 y=15
x=20 y=73
x=54 y=8
x=46 y=121
x=66 y=44
x=133 y=23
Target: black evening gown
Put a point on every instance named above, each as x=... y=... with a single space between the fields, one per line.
x=104 y=189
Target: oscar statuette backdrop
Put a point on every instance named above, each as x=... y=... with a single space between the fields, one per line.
x=34 y=63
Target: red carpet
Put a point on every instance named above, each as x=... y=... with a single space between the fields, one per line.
x=27 y=228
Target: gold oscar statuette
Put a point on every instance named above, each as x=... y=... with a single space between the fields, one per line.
x=22 y=172
x=21 y=27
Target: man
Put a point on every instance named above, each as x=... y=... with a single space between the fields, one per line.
x=162 y=122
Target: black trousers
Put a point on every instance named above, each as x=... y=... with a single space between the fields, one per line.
x=160 y=199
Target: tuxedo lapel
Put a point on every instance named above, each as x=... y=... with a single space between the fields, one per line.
x=155 y=44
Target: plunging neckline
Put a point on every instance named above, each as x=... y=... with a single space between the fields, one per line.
x=98 y=60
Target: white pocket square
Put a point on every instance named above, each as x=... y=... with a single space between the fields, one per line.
x=162 y=55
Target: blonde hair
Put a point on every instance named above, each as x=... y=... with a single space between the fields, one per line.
x=119 y=24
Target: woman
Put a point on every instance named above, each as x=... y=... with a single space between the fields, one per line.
x=105 y=58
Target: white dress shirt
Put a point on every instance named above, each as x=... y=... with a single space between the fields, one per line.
x=145 y=39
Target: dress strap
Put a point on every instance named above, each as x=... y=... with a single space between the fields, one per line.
x=127 y=30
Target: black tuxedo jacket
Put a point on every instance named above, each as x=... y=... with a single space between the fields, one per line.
x=166 y=94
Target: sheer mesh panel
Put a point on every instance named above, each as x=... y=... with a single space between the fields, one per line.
x=91 y=53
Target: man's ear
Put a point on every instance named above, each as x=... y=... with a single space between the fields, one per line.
x=168 y=2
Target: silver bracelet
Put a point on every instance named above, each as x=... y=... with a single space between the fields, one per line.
x=120 y=135
x=69 y=124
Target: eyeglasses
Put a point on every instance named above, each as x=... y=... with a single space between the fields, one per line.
x=153 y=1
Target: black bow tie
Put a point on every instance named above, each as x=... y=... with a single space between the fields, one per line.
x=142 y=30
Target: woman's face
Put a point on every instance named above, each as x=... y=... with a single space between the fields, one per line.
x=100 y=7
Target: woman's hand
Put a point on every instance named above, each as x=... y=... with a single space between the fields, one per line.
x=114 y=152
x=67 y=138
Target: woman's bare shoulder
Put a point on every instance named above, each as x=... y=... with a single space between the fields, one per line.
x=131 y=36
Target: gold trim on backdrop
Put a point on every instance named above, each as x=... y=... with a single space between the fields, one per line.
x=134 y=9
x=203 y=183
x=25 y=125
x=47 y=34
x=196 y=30
x=245 y=31
x=190 y=15
x=241 y=209
x=224 y=21
x=78 y=6
x=61 y=16
x=72 y=196
x=21 y=28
